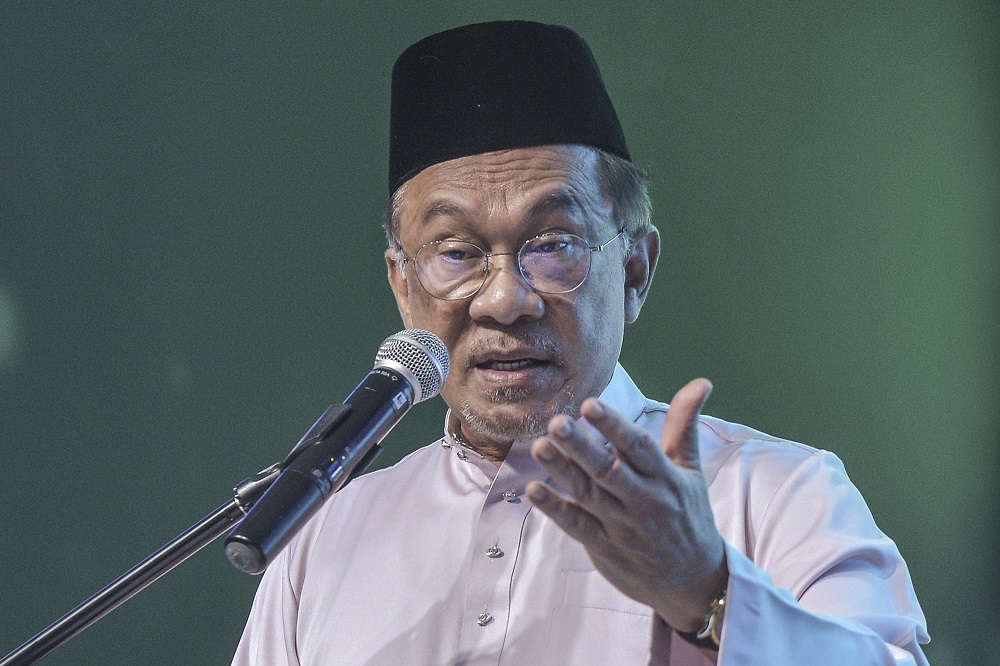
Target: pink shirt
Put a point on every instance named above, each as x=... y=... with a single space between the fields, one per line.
x=439 y=560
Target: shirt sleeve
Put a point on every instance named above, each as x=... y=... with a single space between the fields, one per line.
x=820 y=584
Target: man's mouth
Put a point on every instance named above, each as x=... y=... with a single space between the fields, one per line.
x=511 y=365
x=503 y=354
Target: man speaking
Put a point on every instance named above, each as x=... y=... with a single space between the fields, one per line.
x=563 y=518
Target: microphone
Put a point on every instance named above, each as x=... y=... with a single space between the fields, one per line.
x=410 y=367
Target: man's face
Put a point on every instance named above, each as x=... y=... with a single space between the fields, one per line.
x=518 y=356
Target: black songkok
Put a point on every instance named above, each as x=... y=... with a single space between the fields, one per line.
x=495 y=86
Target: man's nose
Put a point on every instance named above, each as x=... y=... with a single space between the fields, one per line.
x=505 y=297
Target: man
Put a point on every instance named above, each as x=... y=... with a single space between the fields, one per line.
x=563 y=518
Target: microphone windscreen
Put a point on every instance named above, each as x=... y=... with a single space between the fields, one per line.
x=421 y=356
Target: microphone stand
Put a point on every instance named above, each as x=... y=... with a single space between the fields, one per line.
x=183 y=546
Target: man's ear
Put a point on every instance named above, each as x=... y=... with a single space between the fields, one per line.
x=639 y=271
x=399 y=284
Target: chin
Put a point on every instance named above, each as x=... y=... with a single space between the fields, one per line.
x=509 y=416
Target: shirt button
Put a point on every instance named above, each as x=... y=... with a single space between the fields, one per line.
x=494 y=551
x=509 y=496
x=484 y=618
x=462 y=455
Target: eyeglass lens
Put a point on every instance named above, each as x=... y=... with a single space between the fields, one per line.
x=553 y=263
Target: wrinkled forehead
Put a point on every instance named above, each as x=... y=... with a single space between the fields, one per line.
x=519 y=191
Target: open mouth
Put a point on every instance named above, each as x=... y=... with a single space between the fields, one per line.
x=505 y=359
x=510 y=366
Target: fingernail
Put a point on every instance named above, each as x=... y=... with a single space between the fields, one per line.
x=597 y=409
x=562 y=427
x=546 y=451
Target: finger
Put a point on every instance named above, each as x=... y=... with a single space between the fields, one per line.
x=573 y=520
x=569 y=476
x=679 y=440
x=632 y=444
x=588 y=452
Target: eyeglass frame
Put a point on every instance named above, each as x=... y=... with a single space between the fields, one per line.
x=520 y=268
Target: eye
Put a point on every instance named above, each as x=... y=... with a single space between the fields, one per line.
x=550 y=244
x=456 y=252
x=454 y=255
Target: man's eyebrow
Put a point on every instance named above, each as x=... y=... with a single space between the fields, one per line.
x=559 y=202
x=556 y=202
x=444 y=209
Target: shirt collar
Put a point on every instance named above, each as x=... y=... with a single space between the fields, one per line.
x=623 y=395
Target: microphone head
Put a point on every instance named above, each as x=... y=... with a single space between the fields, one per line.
x=420 y=356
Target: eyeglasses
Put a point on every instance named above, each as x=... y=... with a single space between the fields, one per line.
x=555 y=263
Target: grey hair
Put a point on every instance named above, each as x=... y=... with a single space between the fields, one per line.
x=623 y=182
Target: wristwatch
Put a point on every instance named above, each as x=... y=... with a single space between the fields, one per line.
x=708 y=636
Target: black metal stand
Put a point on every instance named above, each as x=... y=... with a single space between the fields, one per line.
x=141 y=575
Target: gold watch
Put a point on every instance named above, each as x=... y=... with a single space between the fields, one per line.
x=709 y=636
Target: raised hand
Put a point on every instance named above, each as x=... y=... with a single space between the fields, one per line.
x=640 y=509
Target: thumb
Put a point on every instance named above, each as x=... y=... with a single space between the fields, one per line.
x=679 y=440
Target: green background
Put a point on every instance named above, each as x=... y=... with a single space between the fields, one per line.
x=191 y=269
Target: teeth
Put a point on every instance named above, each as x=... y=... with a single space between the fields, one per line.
x=509 y=366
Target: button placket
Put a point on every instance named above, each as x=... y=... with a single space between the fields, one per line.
x=491 y=574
